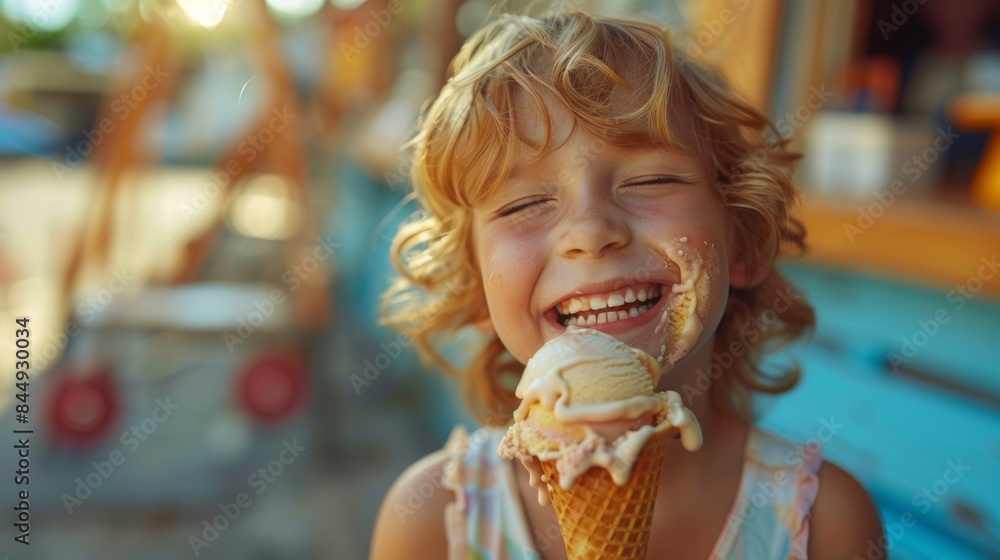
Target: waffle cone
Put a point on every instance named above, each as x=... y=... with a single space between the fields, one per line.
x=599 y=519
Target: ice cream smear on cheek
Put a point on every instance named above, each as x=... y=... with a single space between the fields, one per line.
x=686 y=303
x=588 y=400
x=495 y=280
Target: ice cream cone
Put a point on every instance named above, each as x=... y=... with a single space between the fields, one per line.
x=599 y=519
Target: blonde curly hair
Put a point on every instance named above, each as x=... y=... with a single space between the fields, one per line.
x=626 y=83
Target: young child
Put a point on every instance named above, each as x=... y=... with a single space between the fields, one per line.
x=576 y=170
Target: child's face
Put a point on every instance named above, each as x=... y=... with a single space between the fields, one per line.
x=609 y=226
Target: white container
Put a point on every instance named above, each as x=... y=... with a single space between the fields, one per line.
x=856 y=155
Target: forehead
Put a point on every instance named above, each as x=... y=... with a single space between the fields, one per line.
x=541 y=114
x=542 y=123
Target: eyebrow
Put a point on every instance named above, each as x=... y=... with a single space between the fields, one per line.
x=670 y=151
x=518 y=172
x=522 y=171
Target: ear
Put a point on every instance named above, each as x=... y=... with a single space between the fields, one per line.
x=742 y=276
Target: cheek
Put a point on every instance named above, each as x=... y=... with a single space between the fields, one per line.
x=510 y=272
x=697 y=240
x=503 y=260
x=699 y=271
x=509 y=268
x=697 y=300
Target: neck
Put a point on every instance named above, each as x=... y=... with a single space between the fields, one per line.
x=721 y=432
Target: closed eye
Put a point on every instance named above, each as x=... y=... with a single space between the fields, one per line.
x=654 y=181
x=519 y=207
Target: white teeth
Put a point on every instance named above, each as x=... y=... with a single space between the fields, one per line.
x=607 y=316
x=574 y=305
x=579 y=306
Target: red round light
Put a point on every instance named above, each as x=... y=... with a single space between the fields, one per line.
x=82 y=409
x=273 y=387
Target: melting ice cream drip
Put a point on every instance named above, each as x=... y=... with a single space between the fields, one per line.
x=681 y=314
x=495 y=277
x=577 y=384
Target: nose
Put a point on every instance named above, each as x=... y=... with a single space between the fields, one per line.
x=593 y=227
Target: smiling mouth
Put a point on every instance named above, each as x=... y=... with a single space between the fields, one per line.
x=609 y=307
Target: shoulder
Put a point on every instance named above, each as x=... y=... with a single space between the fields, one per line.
x=412 y=514
x=844 y=519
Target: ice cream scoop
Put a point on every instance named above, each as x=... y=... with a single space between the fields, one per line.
x=589 y=400
x=591 y=429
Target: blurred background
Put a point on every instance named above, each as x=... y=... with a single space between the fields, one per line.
x=197 y=199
